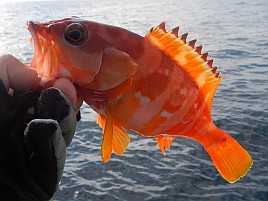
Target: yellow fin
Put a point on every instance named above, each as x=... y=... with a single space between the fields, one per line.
x=229 y=157
x=164 y=142
x=189 y=58
x=106 y=148
x=120 y=137
x=101 y=121
x=120 y=140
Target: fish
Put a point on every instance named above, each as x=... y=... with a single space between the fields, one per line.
x=159 y=85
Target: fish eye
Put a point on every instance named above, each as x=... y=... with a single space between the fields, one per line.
x=76 y=34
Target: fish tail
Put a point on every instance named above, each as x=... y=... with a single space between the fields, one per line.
x=229 y=157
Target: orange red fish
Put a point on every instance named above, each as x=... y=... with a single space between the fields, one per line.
x=158 y=86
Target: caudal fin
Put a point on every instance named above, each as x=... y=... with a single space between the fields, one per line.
x=230 y=158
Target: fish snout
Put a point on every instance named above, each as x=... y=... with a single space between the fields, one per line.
x=44 y=59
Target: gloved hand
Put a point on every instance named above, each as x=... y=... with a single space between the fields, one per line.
x=33 y=142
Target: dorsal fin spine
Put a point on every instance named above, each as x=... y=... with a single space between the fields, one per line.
x=205 y=56
x=175 y=31
x=210 y=62
x=199 y=49
x=214 y=69
x=192 y=43
x=162 y=26
x=183 y=37
x=167 y=35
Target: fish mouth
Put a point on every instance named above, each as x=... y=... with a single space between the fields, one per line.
x=45 y=59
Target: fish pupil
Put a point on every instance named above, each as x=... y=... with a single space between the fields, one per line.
x=74 y=35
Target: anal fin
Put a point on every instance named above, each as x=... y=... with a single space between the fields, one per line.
x=164 y=142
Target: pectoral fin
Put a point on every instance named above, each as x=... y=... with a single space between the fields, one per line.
x=120 y=138
x=106 y=148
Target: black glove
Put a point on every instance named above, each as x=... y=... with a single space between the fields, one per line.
x=33 y=146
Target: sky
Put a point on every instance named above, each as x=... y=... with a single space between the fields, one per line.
x=6 y=1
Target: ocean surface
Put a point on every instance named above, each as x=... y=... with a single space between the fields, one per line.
x=236 y=34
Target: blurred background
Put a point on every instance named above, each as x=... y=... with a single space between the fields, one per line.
x=236 y=34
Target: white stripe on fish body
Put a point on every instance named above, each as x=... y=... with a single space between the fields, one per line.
x=166 y=114
x=178 y=116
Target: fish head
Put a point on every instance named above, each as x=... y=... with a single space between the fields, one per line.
x=64 y=48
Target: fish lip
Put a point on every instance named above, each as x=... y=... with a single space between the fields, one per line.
x=41 y=60
x=32 y=29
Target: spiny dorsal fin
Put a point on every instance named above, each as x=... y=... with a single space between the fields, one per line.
x=189 y=58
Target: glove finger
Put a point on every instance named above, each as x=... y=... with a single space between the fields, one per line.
x=70 y=91
x=25 y=100
x=53 y=104
x=48 y=152
x=15 y=107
